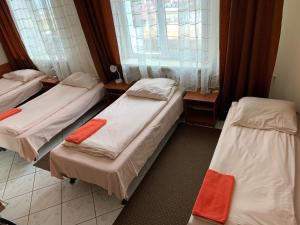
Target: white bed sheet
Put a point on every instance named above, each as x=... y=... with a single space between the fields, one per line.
x=125 y=117
x=20 y=93
x=116 y=175
x=6 y=85
x=263 y=163
x=40 y=108
x=28 y=143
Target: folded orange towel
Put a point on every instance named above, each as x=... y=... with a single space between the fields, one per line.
x=8 y=113
x=86 y=131
x=213 y=201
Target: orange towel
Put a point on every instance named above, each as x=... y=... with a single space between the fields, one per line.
x=8 y=113
x=86 y=131
x=213 y=201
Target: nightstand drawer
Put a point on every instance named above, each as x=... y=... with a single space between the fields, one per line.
x=205 y=118
x=207 y=106
x=200 y=109
x=116 y=92
x=49 y=82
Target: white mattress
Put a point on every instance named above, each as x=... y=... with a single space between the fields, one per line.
x=263 y=163
x=6 y=85
x=116 y=175
x=18 y=92
x=125 y=117
x=28 y=143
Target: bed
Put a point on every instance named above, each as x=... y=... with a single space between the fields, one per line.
x=46 y=115
x=14 y=92
x=116 y=175
x=263 y=163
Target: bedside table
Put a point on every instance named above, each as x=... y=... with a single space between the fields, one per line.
x=49 y=82
x=114 y=90
x=200 y=109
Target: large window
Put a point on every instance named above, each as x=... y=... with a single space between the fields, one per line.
x=52 y=35
x=158 y=27
x=168 y=34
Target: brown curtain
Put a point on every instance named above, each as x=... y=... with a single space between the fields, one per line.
x=249 y=38
x=97 y=23
x=11 y=41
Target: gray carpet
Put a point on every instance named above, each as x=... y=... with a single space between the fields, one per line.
x=167 y=193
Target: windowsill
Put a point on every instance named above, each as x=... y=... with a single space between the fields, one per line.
x=162 y=63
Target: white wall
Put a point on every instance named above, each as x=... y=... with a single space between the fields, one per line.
x=286 y=83
x=3 y=58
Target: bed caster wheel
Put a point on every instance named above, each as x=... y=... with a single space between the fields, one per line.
x=2 y=149
x=72 y=180
x=124 y=202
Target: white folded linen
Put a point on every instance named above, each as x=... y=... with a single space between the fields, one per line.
x=7 y=85
x=83 y=80
x=126 y=118
x=40 y=108
x=155 y=88
x=23 y=75
x=266 y=114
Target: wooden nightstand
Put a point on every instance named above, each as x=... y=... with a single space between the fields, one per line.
x=114 y=90
x=49 y=82
x=200 y=109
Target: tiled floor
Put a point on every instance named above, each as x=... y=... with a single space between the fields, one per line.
x=36 y=198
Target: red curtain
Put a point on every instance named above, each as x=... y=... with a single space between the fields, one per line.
x=249 y=39
x=11 y=41
x=97 y=23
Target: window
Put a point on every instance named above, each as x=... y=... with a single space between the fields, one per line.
x=173 y=34
x=52 y=35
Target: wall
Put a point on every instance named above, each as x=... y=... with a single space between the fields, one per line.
x=3 y=58
x=286 y=82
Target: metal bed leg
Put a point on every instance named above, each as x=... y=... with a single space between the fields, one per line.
x=124 y=202
x=72 y=180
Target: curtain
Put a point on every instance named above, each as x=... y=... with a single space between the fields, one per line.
x=53 y=36
x=97 y=22
x=169 y=38
x=11 y=41
x=250 y=36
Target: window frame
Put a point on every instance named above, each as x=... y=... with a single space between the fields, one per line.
x=165 y=53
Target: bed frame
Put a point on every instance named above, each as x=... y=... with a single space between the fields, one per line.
x=137 y=180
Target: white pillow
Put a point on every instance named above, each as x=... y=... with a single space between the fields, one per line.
x=23 y=75
x=156 y=88
x=266 y=114
x=83 y=80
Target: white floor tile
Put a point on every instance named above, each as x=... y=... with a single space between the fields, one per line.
x=6 y=158
x=4 y=171
x=109 y=218
x=43 y=179
x=78 y=210
x=105 y=203
x=46 y=198
x=72 y=191
x=18 y=158
x=90 y=222
x=2 y=186
x=21 y=168
x=19 y=186
x=21 y=221
x=17 y=207
x=50 y=216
